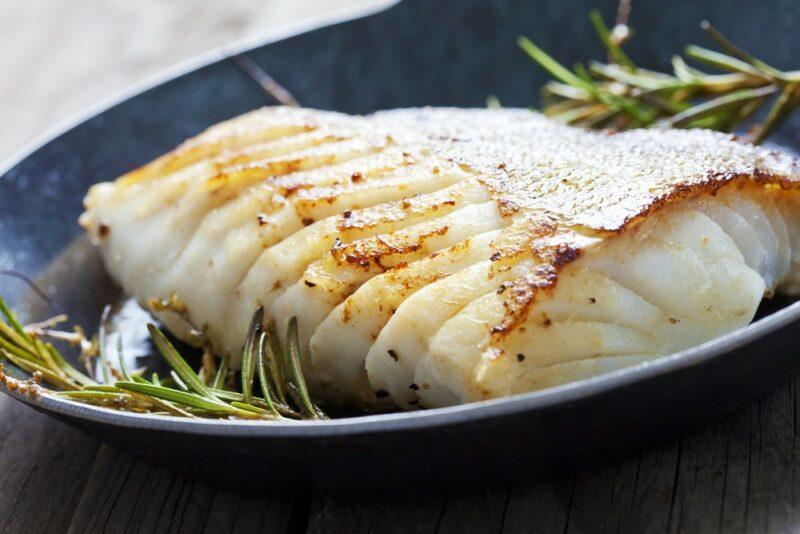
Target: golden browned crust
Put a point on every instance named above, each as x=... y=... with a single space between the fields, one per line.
x=562 y=189
x=566 y=189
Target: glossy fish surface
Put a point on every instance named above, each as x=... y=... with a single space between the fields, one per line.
x=440 y=256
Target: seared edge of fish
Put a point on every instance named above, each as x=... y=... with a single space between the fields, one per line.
x=437 y=256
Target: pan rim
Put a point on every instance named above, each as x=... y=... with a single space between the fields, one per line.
x=376 y=423
x=426 y=419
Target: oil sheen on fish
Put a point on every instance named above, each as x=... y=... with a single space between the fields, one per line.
x=440 y=256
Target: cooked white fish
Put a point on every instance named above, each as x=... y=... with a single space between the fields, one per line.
x=439 y=256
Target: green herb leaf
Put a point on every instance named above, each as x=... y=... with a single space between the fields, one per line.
x=275 y=367
x=721 y=103
x=614 y=50
x=249 y=357
x=734 y=50
x=620 y=95
x=786 y=103
x=181 y=397
x=261 y=365
x=551 y=65
x=297 y=383
x=178 y=364
x=222 y=373
x=121 y=357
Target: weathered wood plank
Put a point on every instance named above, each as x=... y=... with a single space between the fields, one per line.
x=737 y=475
x=700 y=477
x=127 y=495
x=397 y=514
x=477 y=511
x=635 y=494
x=542 y=506
x=770 y=502
x=44 y=466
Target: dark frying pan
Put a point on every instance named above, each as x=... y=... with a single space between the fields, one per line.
x=449 y=52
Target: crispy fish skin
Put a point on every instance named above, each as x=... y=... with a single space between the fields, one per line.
x=436 y=256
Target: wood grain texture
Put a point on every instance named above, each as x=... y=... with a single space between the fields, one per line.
x=44 y=467
x=736 y=475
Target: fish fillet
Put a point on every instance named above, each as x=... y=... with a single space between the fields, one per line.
x=440 y=256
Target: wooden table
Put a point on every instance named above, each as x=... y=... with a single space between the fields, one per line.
x=739 y=474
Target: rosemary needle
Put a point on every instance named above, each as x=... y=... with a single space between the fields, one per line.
x=178 y=364
x=222 y=373
x=183 y=394
x=621 y=95
x=261 y=365
x=275 y=363
x=297 y=382
x=249 y=358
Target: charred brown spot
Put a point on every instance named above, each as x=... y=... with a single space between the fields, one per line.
x=713 y=182
x=309 y=284
x=673 y=320
x=371 y=251
x=520 y=357
x=521 y=293
x=262 y=219
x=565 y=254
x=356 y=177
x=592 y=300
x=347 y=214
x=413 y=387
x=392 y=354
x=507 y=207
x=307 y=221
x=381 y=394
x=103 y=230
x=496 y=256
x=293 y=189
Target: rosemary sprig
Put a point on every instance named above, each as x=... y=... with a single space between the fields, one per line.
x=621 y=95
x=184 y=394
x=297 y=384
x=249 y=359
x=185 y=374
